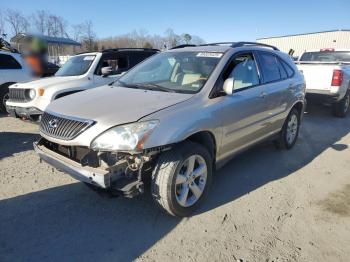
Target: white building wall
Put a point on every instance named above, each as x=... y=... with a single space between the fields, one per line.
x=300 y=43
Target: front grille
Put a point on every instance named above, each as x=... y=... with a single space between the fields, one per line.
x=64 y=128
x=18 y=95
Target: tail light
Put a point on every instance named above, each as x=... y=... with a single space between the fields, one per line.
x=337 y=78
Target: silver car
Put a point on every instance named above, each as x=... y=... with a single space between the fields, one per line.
x=175 y=118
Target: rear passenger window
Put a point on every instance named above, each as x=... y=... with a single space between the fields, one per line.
x=270 y=67
x=290 y=71
x=8 y=62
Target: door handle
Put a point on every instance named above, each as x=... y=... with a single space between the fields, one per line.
x=263 y=94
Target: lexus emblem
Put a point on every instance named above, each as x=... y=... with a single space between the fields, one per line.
x=53 y=123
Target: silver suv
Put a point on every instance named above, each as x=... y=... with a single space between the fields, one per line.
x=175 y=118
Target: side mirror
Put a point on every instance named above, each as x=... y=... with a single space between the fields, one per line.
x=106 y=71
x=229 y=86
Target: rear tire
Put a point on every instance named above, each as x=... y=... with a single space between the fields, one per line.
x=4 y=95
x=181 y=178
x=290 y=131
x=341 y=108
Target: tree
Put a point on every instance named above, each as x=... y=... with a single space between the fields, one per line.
x=17 y=21
x=56 y=26
x=171 y=39
x=2 y=23
x=40 y=21
x=147 y=45
x=77 y=31
x=88 y=36
x=187 y=38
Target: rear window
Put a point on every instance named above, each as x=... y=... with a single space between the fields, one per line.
x=326 y=56
x=8 y=62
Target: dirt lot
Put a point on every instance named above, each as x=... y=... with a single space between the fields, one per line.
x=265 y=205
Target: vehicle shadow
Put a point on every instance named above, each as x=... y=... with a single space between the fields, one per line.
x=12 y=142
x=72 y=223
x=260 y=165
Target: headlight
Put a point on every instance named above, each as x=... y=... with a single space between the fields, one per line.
x=32 y=93
x=126 y=137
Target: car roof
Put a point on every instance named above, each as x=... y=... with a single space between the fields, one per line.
x=116 y=50
x=223 y=47
x=325 y=49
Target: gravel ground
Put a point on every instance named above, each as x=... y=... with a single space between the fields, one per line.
x=265 y=205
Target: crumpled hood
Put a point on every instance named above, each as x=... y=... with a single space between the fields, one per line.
x=110 y=106
x=47 y=82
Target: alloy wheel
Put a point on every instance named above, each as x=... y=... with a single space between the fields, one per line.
x=191 y=180
x=292 y=129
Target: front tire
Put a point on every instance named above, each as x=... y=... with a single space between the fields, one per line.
x=181 y=178
x=4 y=96
x=341 y=108
x=290 y=131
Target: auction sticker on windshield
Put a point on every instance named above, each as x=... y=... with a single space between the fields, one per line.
x=209 y=54
x=89 y=57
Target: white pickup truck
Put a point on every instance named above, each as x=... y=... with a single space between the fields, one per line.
x=81 y=72
x=327 y=77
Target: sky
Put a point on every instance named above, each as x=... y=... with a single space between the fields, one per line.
x=214 y=21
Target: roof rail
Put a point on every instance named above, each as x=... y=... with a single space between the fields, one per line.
x=219 y=43
x=182 y=46
x=130 y=49
x=231 y=44
x=241 y=44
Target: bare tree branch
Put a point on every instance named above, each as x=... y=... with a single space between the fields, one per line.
x=17 y=21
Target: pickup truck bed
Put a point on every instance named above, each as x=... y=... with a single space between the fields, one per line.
x=327 y=81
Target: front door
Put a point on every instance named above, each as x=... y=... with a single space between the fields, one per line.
x=244 y=113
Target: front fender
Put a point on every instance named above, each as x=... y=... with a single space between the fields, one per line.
x=179 y=122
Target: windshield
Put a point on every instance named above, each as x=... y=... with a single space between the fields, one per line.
x=184 y=72
x=75 y=66
x=326 y=56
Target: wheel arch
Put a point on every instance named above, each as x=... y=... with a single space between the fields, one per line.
x=299 y=105
x=206 y=139
x=7 y=84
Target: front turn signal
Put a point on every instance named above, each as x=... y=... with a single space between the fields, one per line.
x=41 y=91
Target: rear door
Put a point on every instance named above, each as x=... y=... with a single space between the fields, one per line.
x=276 y=83
x=244 y=114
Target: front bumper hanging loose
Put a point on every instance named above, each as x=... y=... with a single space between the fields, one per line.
x=89 y=175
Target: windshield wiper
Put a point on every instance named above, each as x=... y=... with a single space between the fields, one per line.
x=156 y=87
x=147 y=86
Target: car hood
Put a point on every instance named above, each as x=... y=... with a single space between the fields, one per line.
x=46 y=82
x=110 y=106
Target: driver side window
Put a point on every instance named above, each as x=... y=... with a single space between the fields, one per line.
x=244 y=71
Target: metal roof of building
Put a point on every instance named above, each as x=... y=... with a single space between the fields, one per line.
x=48 y=39
x=328 y=31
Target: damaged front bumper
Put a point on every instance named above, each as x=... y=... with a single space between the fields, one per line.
x=119 y=173
x=98 y=177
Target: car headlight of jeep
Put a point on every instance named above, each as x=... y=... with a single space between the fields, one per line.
x=31 y=93
x=126 y=137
